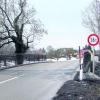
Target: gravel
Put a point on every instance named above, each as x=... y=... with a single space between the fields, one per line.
x=88 y=89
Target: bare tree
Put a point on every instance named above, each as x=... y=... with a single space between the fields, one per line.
x=18 y=24
x=91 y=18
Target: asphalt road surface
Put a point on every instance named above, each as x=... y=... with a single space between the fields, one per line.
x=36 y=81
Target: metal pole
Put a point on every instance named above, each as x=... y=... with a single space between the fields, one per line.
x=79 y=57
x=93 y=60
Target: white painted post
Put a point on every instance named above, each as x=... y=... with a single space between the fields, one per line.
x=81 y=70
x=81 y=74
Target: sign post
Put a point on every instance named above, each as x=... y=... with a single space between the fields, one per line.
x=93 y=59
x=81 y=70
x=93 y=40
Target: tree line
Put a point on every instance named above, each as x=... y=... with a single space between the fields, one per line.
x=60 y=52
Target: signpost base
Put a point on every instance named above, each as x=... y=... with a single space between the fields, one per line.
x=81 y=75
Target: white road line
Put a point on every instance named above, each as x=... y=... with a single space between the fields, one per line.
x=11 y=79
x=8 y=80
x=21 y=75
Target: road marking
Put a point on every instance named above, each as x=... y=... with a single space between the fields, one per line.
x=8 y=80
x=11 y=79
x=21 y=75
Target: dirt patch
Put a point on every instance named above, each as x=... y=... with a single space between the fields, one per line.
x=75 y=90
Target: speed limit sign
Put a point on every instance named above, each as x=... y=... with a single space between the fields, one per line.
x=93 y=39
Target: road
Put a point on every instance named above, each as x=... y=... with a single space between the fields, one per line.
x=36 y=81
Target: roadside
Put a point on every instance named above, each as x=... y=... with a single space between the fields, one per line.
x=74 y=90
x=88 y=89
x=11 y=64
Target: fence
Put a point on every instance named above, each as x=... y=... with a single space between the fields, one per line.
x=10 y=60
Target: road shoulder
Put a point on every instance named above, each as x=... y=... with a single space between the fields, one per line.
x=88 y=89
x=75 y=90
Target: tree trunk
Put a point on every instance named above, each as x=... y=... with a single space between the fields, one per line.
x=19 y=58
x=20 y=50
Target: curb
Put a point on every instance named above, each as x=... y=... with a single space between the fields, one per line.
x=8 y=67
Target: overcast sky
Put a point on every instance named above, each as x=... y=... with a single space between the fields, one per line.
x=63 y=20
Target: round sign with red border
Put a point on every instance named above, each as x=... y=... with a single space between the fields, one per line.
x=93 y=39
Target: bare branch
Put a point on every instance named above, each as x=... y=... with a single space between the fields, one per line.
x=4 y=38
x=30 y=41
x=7 y=16
x=1 y=45
x=6 y=31
x=91 y=17
x=17 y=18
